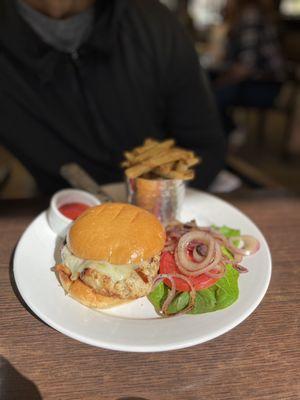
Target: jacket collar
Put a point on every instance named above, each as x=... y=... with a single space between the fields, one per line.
x=25 y=46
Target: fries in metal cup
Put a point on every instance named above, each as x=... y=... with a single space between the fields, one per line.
x=156 y=173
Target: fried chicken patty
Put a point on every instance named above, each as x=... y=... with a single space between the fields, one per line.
x=137 y=284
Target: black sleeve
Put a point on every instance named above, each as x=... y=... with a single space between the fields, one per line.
x=191 y=116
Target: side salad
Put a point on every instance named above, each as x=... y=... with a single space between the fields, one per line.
x=199 y=269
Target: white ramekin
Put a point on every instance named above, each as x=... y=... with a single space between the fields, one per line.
x=57 y=221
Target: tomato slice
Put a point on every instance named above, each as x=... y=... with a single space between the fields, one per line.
x=169 y=266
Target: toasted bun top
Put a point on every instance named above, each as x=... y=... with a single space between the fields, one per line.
x=118 y=233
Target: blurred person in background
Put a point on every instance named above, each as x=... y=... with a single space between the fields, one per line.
x=250 y=70
x=83 y=80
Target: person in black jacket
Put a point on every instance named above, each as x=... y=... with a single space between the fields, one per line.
x=83 y=80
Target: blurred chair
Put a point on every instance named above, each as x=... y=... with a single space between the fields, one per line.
x=285 y=104
x=250 y=175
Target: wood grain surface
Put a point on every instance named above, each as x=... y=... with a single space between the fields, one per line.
x=258 y=360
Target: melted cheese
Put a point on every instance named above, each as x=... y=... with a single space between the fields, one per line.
x=77 y=265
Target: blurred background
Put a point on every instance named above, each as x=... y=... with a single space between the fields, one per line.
x=261 y=118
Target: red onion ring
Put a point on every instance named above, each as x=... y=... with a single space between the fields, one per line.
x=164 y=310
x=181 y=251
x=216 y=259
x=171 y=294
x=218 y=236
x=222 y=270
x=250 y=245
x=196 y=256
x=187 y=272
x=240 y=268
x=238 y=258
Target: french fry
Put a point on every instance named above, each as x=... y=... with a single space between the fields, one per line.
x=137 y=170
x=193 y=161
x=129 y=156
x=149 y=141
x=172 y=175
x=160 y=159
x=181 y=166
x=164 y=169
x=164 y=158
x=186 y=154
x=154 y=151
x=148 y=144
x=125 y=164
x=189 y=175
x=148 y=165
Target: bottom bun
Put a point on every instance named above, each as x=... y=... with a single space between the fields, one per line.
x=83 y=293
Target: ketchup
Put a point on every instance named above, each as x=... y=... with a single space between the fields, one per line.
x=73 y=210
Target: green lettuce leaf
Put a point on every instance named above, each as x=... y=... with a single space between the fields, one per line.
x=219 y=296
x=227 y=253
x=205 y=301
x=179 y=302
x=226 y=231
x=227 y=288
x=158 y=295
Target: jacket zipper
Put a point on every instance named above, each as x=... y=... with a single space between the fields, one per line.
x=75 y=56
x=75 y=59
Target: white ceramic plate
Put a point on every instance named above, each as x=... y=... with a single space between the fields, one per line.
x=135 y=326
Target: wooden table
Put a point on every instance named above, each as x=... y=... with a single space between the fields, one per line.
x=259 y=359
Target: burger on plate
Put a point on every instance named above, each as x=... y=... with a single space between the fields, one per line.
x=111 y=255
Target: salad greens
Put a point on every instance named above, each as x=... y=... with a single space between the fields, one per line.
x=159 y=295
x=217 y=297
x=221 y=295
x=226 y=231
x=227 y=253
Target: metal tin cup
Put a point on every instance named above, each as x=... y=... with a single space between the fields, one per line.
x=162 y=197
